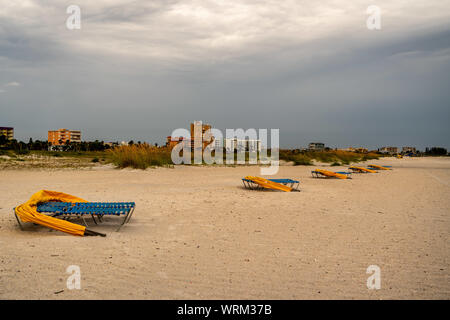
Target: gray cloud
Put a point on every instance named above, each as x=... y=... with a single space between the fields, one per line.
x=137 y=70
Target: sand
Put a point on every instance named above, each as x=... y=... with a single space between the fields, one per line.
x=197 y=234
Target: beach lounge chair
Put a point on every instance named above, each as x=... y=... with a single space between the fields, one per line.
x=361 y=170
x=81 y=209
x=62 y=206
x=319 y=173
x=257 y=183
x=376 y=167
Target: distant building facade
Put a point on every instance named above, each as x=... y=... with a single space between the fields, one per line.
x=240 y=145
x=198 y=136
x=408 y=150
x=316 y=146
x=171 y=142
x=358 y=150
x=62 y=136
x=8 y=132
x=389 y=150
x=199 y=132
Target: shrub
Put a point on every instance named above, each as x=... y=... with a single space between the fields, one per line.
x=22 y=152
x=335 y=157
x=299 y=159
x=140 y=156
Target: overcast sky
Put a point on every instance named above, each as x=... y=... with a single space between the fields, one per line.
x=139 y=69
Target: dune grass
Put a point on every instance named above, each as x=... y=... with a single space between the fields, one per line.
x=297 y=159
x=144 y=156
x=140 y=156
x=334 y=157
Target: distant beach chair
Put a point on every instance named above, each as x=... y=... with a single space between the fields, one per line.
x=319 y=173
x=377 y=167
x=361 y=170
x=257 y=183
x=82 y=209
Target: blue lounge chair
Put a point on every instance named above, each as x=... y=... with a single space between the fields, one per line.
x=81 y=209
x=344 y=172
x=294 y=184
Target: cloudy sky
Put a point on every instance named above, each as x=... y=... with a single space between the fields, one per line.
x=139 y=69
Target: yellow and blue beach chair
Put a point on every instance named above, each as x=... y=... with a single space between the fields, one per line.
x=361 y=170
x=377 y=167
x=62 y=206
x=93 y=209
x=258 y=183
x=319 y=173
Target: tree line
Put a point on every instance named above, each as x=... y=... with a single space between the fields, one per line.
x=20 y=146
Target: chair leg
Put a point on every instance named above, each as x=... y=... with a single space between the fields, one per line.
x=82 y=217
x=127 y=218
x=18 y=220
x=123 y=222
x=130 y=214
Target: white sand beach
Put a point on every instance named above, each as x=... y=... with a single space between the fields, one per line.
x=198 y=234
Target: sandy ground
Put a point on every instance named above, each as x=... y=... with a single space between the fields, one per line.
x=197 y=234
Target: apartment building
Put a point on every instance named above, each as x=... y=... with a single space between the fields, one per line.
x=408 y=150
x=316 y=146
x=241 y=145
x=61 y=136
x=8 y=132
x=199 y=136
x=389 y=150
x=171 y=142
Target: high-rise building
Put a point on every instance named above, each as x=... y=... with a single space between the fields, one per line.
x=8 y=132
x=199 y=138
x=61 y=136
x=173 y=141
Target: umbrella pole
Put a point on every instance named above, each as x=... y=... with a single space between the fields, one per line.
x=18 y=221
x=88 y=232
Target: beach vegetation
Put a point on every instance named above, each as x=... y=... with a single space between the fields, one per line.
x=334 y=157
x=140 y=156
